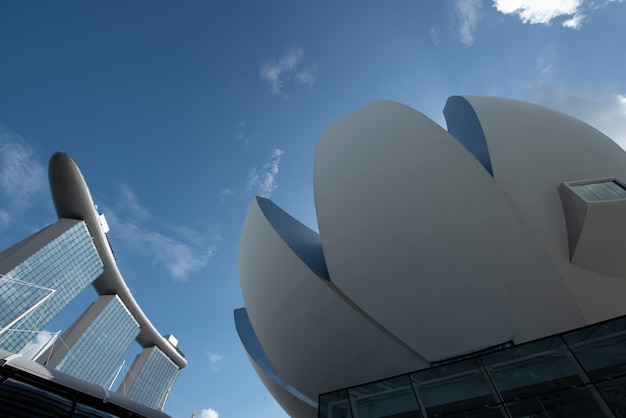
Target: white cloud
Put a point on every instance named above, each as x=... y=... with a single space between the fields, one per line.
x=131 y=204
x=5 y=218
x=214 y=357
x=181 y=251
x=547 y=58
x=208 y=413
x=546 y=69
x=545 y=11
x=37 y=343
x=306 y=77
x=22 y=176
x=286 y=69
x=275 y=71
x=179 y=258
x=434 y=36
x=263 y=181
x=468 y=13
x=225 y=194
x=242 y=134
x=575 y=22
x=605 y=110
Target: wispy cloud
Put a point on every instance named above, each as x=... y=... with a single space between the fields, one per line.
x=179 y=258
x=574 y=22
x=604 y=110
x=240 y=132
x=572 y=12
x=243 y=134
x=306 y=77
x=214 y=357
x=133 y=208
x=547 y=59
x=434 y=36
x=208 y=413
x=468 y=14
x=4 y=218
x=262 y=181
x=226 y=193
x=22 y=176
x=180 y=250
x=287 y=69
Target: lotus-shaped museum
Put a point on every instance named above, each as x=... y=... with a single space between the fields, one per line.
x=507 y=227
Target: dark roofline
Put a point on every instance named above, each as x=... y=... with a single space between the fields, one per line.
x=54 y=381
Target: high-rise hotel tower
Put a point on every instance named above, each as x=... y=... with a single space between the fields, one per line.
x=42 y=274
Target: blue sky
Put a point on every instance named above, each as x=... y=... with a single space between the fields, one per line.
x=178 y=113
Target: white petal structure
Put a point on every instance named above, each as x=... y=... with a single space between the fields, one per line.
x=433 y=244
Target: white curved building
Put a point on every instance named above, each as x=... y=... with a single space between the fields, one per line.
x=508 y=227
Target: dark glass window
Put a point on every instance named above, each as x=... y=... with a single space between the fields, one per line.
x=577 y=374
x=335 y=405
x=614 y=393
x=22 y=399
x=580 y=402
x=527 y=370
x=457 y=387
x=607 y=190
x=600 y=349
x=388 y=398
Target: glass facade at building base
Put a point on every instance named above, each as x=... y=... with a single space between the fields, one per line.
x=577 y=374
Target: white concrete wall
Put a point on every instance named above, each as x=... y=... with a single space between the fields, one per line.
x=305 y=328
x=420 y=236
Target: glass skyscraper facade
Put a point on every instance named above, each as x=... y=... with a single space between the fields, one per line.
x=39 y=277
x=98 y=339
x=150 y=378
x=581 y=373
x=61 y=258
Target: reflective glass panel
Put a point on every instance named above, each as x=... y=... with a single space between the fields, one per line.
x=614 y=393
x=388 y=398
x=490 y=411
x=585 y=193
x=535 y=368
x=66 y=262
x=457 y=387
x=609 y=190
x=581 y=402
x=617 y=188
x=335 y=405
x=154 y=380
x=600 y=349
x=102 y=344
